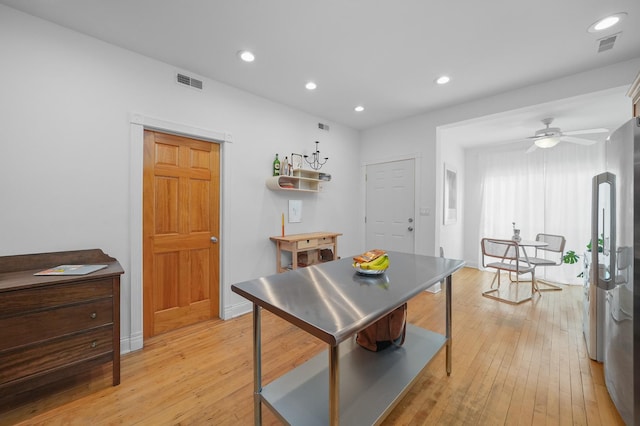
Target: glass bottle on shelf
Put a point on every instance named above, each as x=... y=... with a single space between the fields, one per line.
x=276 y=166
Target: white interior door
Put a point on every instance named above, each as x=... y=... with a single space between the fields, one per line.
x=390 y=206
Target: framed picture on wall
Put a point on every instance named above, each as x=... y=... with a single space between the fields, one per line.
x=296 y=161
x=450 y=201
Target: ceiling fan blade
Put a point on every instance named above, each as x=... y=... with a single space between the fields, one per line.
x=586 y=131
x=579 y=141
x=532 y=148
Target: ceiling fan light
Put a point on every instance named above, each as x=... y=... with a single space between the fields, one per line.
x=548 y=142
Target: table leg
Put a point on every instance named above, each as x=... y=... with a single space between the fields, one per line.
x=448 y=325
x=278 y=256
x=257 y=367
x=334 y=386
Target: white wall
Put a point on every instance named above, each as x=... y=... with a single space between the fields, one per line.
x=66 y=155
x=419 y=134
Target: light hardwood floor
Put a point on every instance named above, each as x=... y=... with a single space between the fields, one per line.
x=523 y=364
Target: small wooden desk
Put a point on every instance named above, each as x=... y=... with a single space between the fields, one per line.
x=310 y=243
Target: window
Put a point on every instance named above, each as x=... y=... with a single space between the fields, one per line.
x=546 y=191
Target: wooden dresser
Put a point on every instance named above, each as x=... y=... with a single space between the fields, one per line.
x=52 y=327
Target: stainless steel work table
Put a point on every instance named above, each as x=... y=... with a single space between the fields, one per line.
x=332 y=302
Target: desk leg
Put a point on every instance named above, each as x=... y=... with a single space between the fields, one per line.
x=278 y=257
x=334 y=386
x=448 y=325
x=257 y=367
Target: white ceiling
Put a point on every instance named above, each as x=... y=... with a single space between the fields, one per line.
x=605 y=109
x=384 y=55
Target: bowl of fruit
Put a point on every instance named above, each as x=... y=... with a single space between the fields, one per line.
x=372 y=262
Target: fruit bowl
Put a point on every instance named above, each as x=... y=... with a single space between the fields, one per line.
x=374 y=262
x=368 y=271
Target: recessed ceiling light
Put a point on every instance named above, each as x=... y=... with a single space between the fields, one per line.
x=607 y=22
x=311 y=85
x=359 y=108
x=443 y=79
x=246 y=56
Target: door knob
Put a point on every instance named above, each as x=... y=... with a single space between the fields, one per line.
x=214 y=240
x=410 y=220
x=410 y=228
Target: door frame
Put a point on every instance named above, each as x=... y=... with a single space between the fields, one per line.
x=417 y=158
x=138 y=124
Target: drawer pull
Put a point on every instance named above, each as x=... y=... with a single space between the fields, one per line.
x=94 y=344
x=93 y=315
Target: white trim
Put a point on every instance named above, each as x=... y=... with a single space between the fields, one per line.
x=136 y=135
x=138 y=123
x=391 y=159
x=238 y=309
x=180 y=129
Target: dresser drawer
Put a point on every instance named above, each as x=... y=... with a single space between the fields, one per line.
x=305 y=244
x=56 y=353
x=41 y=325
x=37 y=298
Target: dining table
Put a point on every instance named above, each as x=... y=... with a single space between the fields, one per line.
x=523 y=244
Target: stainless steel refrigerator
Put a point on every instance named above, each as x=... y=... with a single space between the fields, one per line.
x=615 y=255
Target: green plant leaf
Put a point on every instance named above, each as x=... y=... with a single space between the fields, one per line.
x=570 y=257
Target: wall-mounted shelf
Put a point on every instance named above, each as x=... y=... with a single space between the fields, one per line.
x=302 y=181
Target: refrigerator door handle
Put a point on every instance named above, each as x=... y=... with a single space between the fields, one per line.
x=603 y=275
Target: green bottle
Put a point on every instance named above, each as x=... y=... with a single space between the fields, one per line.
x=276 y=166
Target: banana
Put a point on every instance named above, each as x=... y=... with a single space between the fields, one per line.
x=383 y=264
x=380 y=260
x=378 y=264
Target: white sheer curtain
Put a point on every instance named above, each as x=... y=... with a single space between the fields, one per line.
x=546 y=191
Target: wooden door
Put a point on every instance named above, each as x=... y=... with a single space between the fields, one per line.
x=390 y=206
x=181 y=193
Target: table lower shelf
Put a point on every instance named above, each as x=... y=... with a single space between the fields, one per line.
x=371 y=383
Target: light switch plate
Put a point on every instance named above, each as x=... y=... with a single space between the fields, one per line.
x=295 y=211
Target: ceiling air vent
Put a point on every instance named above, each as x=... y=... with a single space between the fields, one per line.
x=322 y=126
x=607 y=43
x=189 y=81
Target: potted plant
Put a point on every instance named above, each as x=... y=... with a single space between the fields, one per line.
x=570 y=257
x=571 y=254
x=600 y=245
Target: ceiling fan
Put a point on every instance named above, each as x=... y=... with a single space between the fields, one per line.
x=550 y=136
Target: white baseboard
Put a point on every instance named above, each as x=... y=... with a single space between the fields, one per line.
x=237 y=310
x=131 y=343
x=436 y=288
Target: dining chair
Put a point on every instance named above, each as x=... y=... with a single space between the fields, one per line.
x=550 y=255
x=504 y=255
